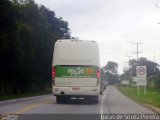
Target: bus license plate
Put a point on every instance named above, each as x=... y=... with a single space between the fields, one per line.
x=75 y=88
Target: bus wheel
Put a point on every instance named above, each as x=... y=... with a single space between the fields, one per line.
x=96 y=99
x=59 y=99
x=62 y=99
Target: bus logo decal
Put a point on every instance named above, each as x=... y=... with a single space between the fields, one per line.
x=75 y=72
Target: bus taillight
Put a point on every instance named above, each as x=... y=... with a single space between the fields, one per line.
x=98 y=74
x=53 y=72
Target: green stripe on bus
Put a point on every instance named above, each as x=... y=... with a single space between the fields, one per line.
x=76 y=71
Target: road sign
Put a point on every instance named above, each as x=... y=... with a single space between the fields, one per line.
x=141 y=75
x=134 y=79
x=141 y=81
x=141 y=71
x=125 y=82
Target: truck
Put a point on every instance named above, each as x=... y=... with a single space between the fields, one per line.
x=76 y=70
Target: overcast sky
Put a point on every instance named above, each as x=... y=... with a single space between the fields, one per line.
x=114 y=24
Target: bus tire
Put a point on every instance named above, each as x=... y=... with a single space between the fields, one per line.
x=59 y=99
x=62 y=99
x=96 y=99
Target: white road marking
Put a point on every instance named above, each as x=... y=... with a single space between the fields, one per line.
x=101 y=111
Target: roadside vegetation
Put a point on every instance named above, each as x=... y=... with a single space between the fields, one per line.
x=129 y=73
x=153 y=82
x=153 y=72
x=152 y=97
x=27 y=35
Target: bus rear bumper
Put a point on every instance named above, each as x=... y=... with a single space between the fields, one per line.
x=76 y=91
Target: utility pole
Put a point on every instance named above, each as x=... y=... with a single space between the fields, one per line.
x=137 y=52
x=158 y=6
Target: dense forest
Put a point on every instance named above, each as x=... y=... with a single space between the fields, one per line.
x=27 y=35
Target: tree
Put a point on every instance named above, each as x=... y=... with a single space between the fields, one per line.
x=111 y=70
x=132 y=62
x=27 y=36
x=152 y=67
x=156 y=79
x=111 y=67
x=152 y=70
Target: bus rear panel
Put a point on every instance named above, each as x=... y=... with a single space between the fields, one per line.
x=75 y=70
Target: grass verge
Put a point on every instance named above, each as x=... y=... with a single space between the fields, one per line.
x=152 y=97
x=9 y=97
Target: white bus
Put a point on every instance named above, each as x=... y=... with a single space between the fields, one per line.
x=76 y=70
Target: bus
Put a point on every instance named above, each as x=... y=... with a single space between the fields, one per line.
x=76 y=70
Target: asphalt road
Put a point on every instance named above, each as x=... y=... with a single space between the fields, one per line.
x=111 y=102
